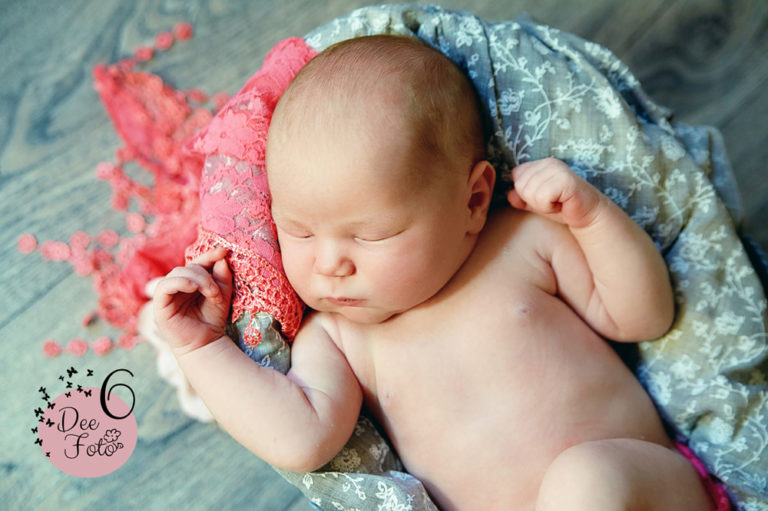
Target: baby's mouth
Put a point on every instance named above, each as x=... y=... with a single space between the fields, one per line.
x=344 y=302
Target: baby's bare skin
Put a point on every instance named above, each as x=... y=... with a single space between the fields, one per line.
x=497 y=391
x=477 y=341
x=481 y=387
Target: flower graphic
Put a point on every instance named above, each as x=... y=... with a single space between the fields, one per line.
x=111 y=435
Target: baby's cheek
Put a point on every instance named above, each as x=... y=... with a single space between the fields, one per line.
x=406 y=277
x=295 y=269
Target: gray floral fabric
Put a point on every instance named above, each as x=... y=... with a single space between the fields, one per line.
x=550 y=93
x=366 y=474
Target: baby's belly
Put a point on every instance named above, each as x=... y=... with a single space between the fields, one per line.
x=479 y=407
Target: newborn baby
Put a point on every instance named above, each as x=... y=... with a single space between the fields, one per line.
x=475 y=336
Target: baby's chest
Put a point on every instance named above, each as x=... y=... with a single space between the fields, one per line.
x=464 y=349
x=493 y=325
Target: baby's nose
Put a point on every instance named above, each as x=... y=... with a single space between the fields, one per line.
x=331 y=261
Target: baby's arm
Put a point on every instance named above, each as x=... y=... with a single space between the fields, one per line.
x=607 y=269
x=297 y=421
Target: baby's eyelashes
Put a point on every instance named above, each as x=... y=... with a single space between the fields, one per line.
x=377 y=238
x=365 y=241
x=294 y=233
x=361 y=238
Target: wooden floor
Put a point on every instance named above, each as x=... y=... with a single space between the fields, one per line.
x=707 y=60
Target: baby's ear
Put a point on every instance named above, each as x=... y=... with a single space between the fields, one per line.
x=480 y=185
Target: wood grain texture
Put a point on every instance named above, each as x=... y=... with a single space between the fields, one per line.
x=707 y=60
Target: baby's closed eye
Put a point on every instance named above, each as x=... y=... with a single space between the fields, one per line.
x=295 y=232
x=375 y=237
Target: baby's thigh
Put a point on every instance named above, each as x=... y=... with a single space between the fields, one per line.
x=622 y=474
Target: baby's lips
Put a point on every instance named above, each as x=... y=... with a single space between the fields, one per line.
x=345 y=302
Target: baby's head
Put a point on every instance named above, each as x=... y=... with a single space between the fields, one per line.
x=376 y=167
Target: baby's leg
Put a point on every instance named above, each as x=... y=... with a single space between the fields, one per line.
x=622 y=474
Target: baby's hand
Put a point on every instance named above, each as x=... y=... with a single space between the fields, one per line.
x=191 y=303
x=550 y=188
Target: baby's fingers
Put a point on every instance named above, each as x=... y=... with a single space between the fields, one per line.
x=188 y=279
x=169 y=287
x=223 y=277
x=208 y=259
x=515 y=200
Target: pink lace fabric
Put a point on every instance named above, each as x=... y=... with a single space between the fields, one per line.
x=235 y=199
x=201 y=165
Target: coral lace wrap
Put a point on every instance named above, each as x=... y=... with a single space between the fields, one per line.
x=235 y=199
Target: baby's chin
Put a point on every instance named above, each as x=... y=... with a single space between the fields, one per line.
x=361 y=315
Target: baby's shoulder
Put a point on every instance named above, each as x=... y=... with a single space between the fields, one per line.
x=519 y=245
x=320 y=322
x=522 y=230
x=331 y=326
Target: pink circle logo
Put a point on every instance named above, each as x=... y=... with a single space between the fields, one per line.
x=87 y=431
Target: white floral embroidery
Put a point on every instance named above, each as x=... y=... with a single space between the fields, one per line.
x=390 y=500
x=511 y=101
x=346 y=461
x=607 y=102
x=672 y=149
x=307 y=481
